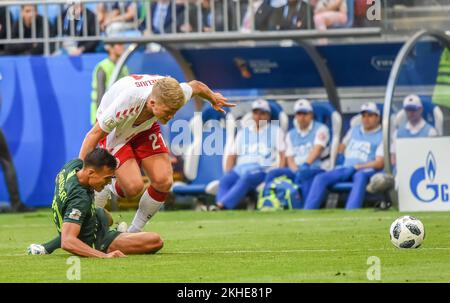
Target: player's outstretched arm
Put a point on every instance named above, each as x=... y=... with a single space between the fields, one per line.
x=71 y=243
x=201 y=90
x=91 y=140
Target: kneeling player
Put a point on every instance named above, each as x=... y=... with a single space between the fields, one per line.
x=81 y=226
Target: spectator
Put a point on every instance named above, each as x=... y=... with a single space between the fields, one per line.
x=3 y=26
x=414 y=127
x=161 y=17
x=102 y=75
x=260 y=14
x=304 y=145
x=207 y=17
x=74 y=22
x=330 y=12
x=29 y=17
x=254 y=152
x=296 y=14
x=117 y=16
x=363 y=158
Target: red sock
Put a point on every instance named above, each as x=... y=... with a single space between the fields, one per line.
x=156 y=195
x=119 y=190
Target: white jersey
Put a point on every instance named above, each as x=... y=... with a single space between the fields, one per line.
x=122 y=104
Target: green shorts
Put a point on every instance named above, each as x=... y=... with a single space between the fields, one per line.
x=104 y=237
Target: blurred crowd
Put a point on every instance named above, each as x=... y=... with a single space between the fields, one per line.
x=160 y=17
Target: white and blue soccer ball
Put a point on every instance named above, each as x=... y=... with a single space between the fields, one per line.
x=407 y=232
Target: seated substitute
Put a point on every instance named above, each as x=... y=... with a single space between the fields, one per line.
x=304 y=145
x=363 y=158
x=80 y=225
x=254 y=151
x=414 y=127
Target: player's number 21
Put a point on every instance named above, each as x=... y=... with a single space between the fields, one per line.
x=154 y=140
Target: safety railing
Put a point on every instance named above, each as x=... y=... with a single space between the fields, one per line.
x=48 y=26
x=53 y=25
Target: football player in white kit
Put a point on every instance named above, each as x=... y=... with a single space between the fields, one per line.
x=126 y=126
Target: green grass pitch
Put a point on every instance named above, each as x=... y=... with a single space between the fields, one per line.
x=242 y=246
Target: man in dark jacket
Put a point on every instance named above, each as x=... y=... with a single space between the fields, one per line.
x=74 y=20
x=29 y=17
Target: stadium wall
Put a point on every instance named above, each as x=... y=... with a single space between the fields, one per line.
x=46 y=100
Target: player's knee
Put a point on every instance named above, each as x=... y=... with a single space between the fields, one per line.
x=163 y=183
x=134 y=189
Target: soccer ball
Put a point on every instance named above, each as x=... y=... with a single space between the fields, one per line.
x=407 y=232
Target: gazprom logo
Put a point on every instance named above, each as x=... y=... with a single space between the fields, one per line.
x=422 y=183
x=431 y=167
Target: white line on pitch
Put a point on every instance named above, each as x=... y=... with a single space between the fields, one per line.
x=293 y=251
x=270 y=251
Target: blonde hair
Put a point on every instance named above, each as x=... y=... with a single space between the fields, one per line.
x=168 y=92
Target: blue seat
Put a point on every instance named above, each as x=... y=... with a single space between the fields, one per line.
x=201 y=168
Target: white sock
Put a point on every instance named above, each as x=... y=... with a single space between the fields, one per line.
x=101 y=198
x=147 y=209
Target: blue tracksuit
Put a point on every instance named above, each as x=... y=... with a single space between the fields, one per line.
x=256 y=151
x=302 y=146
x=361 y=148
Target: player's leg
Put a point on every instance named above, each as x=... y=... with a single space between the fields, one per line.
x=151 y=150
x=159 y=170
x=321 y=182
x=241 y=188
x=225 y=184
x=136 y=243
x=46 y=248
x=128 y=181
x=360 y=180
x=53 y=244
x=305 y=181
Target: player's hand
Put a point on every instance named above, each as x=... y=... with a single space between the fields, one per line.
x=218 y=102
x=115 y=254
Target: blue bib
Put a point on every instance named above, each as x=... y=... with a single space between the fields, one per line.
x=362 y=146
x=258 y=147
x=303 y=145
x=403 y=132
